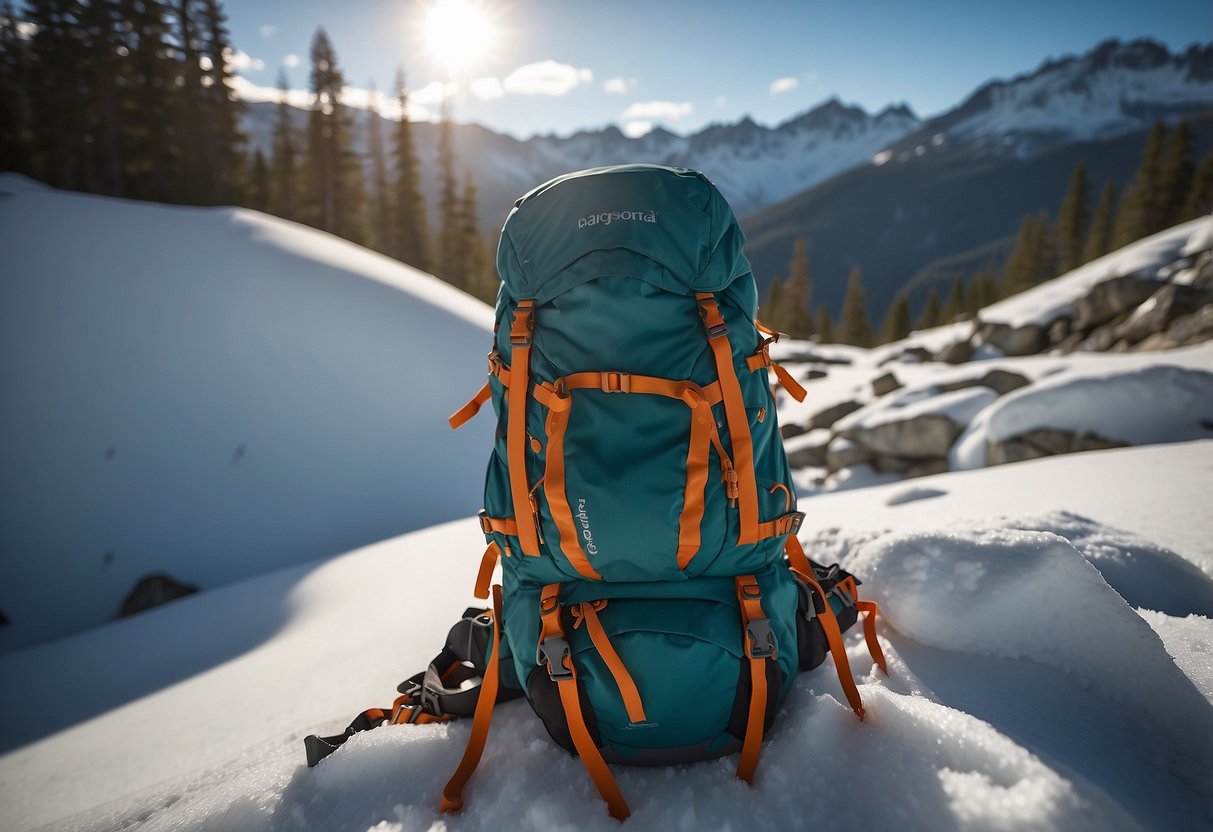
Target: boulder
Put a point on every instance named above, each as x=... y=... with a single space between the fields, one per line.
x=1100 y=340
x=1161 y=309
x=826 y=418
x=789 y=430
x=927 y=435
x=883 y=385
x=1046 y=442
x=1107 y=300
x=927 y=467
x=152 y=591
x=815 y=374
x=1059 y=330
x=916 y=354
x=808 y=449
x=843 y=453
x=957 y=352
x=1023 y=340
x=1000 y=381
x=1190 y=329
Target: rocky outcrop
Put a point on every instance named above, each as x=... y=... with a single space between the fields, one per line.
x=956 y=353
x=1190 y=329
x=152 y=591
x=1046 y=442
x=923 y=437
x=1160 y=310
x=808 y=449
x=1109 y=299
x=885 y=384
x=1000 y=381
x=826 y=418
x=1023 y=340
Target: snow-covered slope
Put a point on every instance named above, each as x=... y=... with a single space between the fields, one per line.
x=214 y=393
x=1024 y=691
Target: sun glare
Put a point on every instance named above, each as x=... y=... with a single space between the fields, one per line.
x=459 y=34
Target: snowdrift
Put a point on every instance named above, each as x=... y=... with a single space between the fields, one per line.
x=215 y=393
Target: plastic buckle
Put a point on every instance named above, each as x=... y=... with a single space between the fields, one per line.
x=760 y=640
x=714 y=330
x=553 y=651
x=484 y=522
x=795 y=519
x=613 y=382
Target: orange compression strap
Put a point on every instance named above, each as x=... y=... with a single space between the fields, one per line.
x=461 y=416
x=554 y=654
x=558 y=501
x=759 y=644
x=788 y=524
x=869 y=633
x=762 y=358
x=735 y=414
x=520 y=343
x=487 y=564
x=698 y=450
x=502 y=525
x=834 y=637
x=588 y=612
x=452 y=794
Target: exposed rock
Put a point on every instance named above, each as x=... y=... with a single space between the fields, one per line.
x=808 y=449
x=883 y=385
x=808 y=357
x=1203 y=268
x=928 y=435
x=814 y=374
x=1024 y=340
x=1046 y=442
x=1000 y=381
x=1105 y=301
x=1073 y=341
x=826 y=418
x=152 y=591
x=1161 y=309
x=789 y=430
x=1190 y=329
x=1059 y=330
x=1100 y=340
x=957 y=352
x=843 y=453
x=919 y=354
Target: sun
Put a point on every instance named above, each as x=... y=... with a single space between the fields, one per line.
x=459 y=34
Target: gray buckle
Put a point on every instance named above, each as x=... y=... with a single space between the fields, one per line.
x=760 y=641
x=553 y=651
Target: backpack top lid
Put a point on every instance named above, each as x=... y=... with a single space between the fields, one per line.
x=611 y=220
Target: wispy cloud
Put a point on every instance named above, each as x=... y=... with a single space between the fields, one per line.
x=785 y=84
x=652 y=110
x=546 y=78
x=268 y=31
x=355 y=97
x=487 y=89
x=241 y=61
x=291 y=61
x=619 y=85
x=636 y=129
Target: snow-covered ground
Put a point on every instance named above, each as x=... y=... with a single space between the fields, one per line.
x=1047 y=623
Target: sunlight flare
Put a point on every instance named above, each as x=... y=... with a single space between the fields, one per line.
x=459 y=33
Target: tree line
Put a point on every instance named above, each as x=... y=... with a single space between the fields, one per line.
x=1168 y=187
x=134 y=98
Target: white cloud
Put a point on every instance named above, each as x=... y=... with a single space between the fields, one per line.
x=355 y=97
x=432 y=94
x=268 y=31
x=784 y=84
x=636 y=129
x=546 y=78
x=619 y=85
x=241 y=61
x=290 y=61
x=668 y=110
x=487 y=89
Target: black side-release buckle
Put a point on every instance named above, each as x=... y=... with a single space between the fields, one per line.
x=760 y=639
x=552 y=652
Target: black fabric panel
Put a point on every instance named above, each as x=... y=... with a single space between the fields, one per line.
x=740 y=715
x=544 y=695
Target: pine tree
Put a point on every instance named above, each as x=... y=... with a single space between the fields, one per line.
x=983 y=290
x=284 y=176
x=1199 y=200
x=381 y=218
x=856 y=322
x=897 y=321
x=451 y=265
x=1028 y=263
x=1099 y=240
x=16 y=140
x=931 y=314
x=153 y=150
x=258 y=195
x=954 y=305
x=1175 y=176
x=410 y=232
x=797 y=293
x=58 y=101
x=1140 y=212
x=1072 y=221
x=772 y=306
x=107 y=75
x=825 y=325
x=221 y=111
x=481 y=280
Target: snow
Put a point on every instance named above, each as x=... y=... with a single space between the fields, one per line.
x=909 y=403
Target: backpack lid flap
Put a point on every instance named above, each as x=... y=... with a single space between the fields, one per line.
x=672 y=216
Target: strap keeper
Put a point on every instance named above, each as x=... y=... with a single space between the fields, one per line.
x=614 y=382
x=485 y=526
x=790 y=523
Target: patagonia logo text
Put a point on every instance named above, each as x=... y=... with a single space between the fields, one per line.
x=608 y=217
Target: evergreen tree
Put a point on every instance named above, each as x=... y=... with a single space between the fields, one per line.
x=983 y=290
x=955 y=304
x=258 y=196
x=107 y=76
x=481 y=280
x=149 y=108
x=856 y=322
x=1099 y=240
x=381 y=218
x=284 y=176
x=1029 y=260
x=825 y=325
x=897 y=321
x=451 y=265
x=1072 y=220
x=1199 y=200
x=772 y=306
x=16 y=140
x=222 y=142
x=1175 y=176
x=58 y=101
x=931 y=314
x=410 y=232
x=1140 y=212
x=797 y=293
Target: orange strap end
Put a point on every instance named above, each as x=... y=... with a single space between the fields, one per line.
x=623 y=680
x=749 y=598
x=869 y=633
x=790 y=384
x=516 y=435
x=487 y=564
x=461 y=416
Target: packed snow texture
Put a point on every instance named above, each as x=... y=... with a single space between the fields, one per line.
x=214 y=393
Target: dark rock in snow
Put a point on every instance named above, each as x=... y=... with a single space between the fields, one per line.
x=1100 y=340
x=815 y=374
x=956 y=353
x=1161 y=309
x=882 y=385
x=808 y=451
x=152 y=591
x=1046 y=442
x=1024 y=340
x=928 y=435
x=1059 y=330
x=1000 y=381
x=789 y=430
x=843 y=453
x=1188 y=330
x=1105 y=301
x=826 y=418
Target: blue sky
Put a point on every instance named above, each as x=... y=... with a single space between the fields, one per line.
x=564 y=66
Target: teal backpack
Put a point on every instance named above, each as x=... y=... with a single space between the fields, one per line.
x=655 y=603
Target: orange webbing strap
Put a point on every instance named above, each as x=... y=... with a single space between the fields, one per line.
x=553 y=646
x=452 y=794
x=834 y=637
x=698 y=450
x=788 y=524
x=869 y=633
x=487 y=564
x=735 y=414
x=461 y=416
x=520 y=342
x=615 y=382
x=502 y=525
x=588 y=612
x=797 y=559
x=766 y=330
x=759 y=644
x=558 y=500
x=762 y=358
